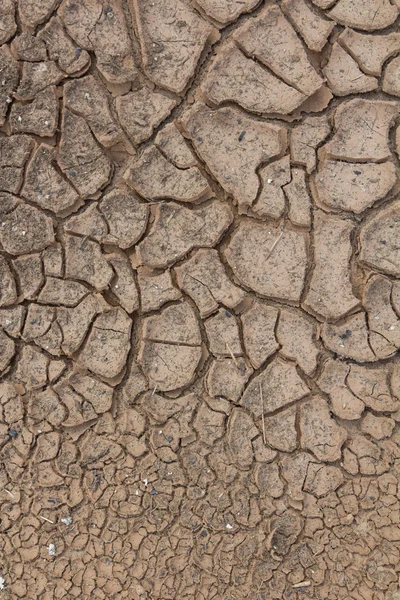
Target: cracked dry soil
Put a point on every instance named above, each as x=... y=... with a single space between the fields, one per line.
x=200 y=299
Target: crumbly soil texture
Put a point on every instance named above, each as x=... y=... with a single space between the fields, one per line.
x=199 y=299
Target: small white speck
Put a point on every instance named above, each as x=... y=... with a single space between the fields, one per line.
x=46 y=122
x=19 y=118
x=51 y=549
x=8 y=321
x=146 y=482
x=341 y=345
x=117 y=287
x=376 y=318
x=269 y=180
x=137 y=492
x=66 y=520
x=229 y=526
x=8 y=100
x=392 y=327
x=3 y=82
x=23 y=232
x=2 y=583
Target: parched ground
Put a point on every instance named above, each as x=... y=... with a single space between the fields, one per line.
x=200 y=299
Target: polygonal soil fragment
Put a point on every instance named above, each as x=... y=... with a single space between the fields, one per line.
x=85 y=261
x=29 y=272
x=349 y=339
x=271 y=39
x=377 y=427
x=383 y=321
x=7 y=349
x=172 y=144
x=209 y=425
x=156 y=289
x=225 y=11
x=370 y=51
x=172 y=38
x=140 y=112
x=12 y=319
x=364 y=14
x=322 y=480
x=305 y=138
x=258 y=325
x=9 y=73
x=8 y=290
x=297 y=334
x=379 y=240
x=32 y=368
x=53 y=260
x=26 y=229
x=241 y=430
x=108 y=344
x=155 y=178
x=45 y=186
x=390 y=83
x=88 y=223
x=353 y=186
x=14 y=153
x=270 y=261
x=88 y=98
x=343 y=75
x=28 y=47
x=75 y=322
x=297 y=193
x=61 y=48
x=176 y=230
x=99 y=27
x=233 y=77
x=275 y=387
x=123 y=285
x=36 y=77
x=39 y=117
x=204 y=279
x=33 y=13
x=344 y=404
x=313 y=28
x=271 y=200
x=362 y=128
x=319 y=432
x=330 y=292
x=126 y=217
x=84 y=397
x=8 y=25
x=233 y=146
x=61 y=291
x=80 y=158
x=223 y=334
x=227 y=377
x=373 y=386
x=170 y=348
x=280 y=430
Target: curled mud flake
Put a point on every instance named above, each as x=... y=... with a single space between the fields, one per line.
x=275 y=387
x=305 y=138
x=349 y=339
x=126 y=217
x=36 y=77
x=108 y=344
x=379 y=240
x=370 y=51
x=9 y=74
x=140 y=112
x=44 y=186
x=353 y=186
x=297 y=335
x=319 y=432
x=362 y=130
x=61 y=48
x=364 y=14
x=215 y=136
x=344 y=76
x=330 y=293
x=377 y=427
x=172 y=144
x=299 y=199
x=8 y=25
x=259 y=323
x=226 y=378
x=155 y=178
x=80 y=158
x=98 y=27
x=156 y=289
x=85 y=262
x=204 y=279
x=8 y=290
x=123 y=285
x=233 y=77
x=268 y=260
x=14 y=154
x=226 y=11
x=313 y=27
x=383 y=321
x=343 y=403
x=26 y=229
x=176 y=230
x=372 y=386
x=172 y=38
x=271 y=39
x=39 y=117
x=390 y=83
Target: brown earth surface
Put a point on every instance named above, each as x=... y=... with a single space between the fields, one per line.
x=199 y=299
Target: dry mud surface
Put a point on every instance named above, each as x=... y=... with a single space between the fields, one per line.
x=200 y=299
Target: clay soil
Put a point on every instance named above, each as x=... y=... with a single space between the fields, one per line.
x=199 y=299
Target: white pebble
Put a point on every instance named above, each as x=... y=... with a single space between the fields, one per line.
x=51 y=549
x=66 y=520
x=229 y=526
x=2 y=583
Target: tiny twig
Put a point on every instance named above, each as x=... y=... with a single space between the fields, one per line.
x=10 y=493
x=154 y=391
x=262 y=414
x=46 y=519
x=231 y=353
